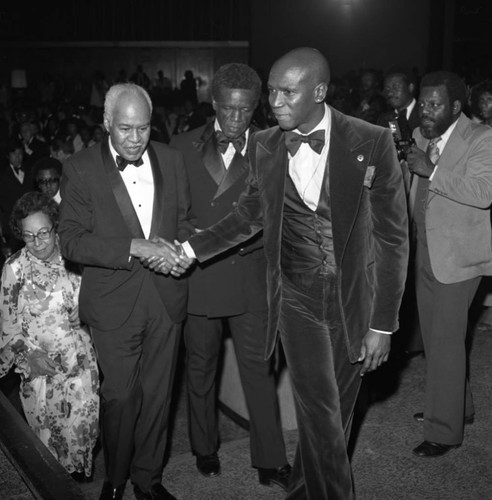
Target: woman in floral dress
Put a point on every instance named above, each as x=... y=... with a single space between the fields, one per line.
x=42 y=336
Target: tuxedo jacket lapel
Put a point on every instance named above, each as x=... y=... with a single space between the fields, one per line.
x=160 y=195
x=236 y=169
x=348 y=159
x=272 y=156
x=120 y=192
x=211 y=158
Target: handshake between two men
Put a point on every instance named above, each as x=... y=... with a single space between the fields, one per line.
x=161 y=255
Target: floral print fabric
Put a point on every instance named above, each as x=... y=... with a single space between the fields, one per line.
x=36 y=300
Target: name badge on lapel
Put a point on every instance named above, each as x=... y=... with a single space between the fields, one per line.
x=369 y=177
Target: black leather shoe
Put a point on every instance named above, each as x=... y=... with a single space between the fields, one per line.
x=419 y=417
x=157 y=492
x=110 y=492
x=208 y=465
x=428 y=449
x=279 y=476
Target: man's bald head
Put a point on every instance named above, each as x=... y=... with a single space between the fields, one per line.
x=309 y=61
x=298 y=83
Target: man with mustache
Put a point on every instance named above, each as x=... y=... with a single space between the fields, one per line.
x=450 y=196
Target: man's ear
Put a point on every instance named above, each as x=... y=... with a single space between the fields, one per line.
x=320 y=92
x=456 y=107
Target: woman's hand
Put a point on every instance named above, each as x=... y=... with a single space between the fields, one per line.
x=40 y=364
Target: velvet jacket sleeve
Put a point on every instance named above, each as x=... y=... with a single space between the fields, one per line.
x=390 y=236
x=245 y=221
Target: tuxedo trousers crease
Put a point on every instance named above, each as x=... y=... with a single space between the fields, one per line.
x=325 y=386
x=138 y=362
x=203 y=340
x=443 y=313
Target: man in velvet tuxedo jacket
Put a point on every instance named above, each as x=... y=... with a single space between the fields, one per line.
x=230 y=290
x=121 y=201
x=332 y=207
x=450 y=202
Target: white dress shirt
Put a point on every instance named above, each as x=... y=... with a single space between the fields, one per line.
x=307 y=168
x=231 y=150
x=139 y=183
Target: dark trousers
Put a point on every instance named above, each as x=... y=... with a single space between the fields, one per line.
x=203 y=340
x=138 y=362
x=325 y=386
x=443 y=312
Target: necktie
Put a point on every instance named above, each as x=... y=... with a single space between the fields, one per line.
x=223 y=142
x=316 y=140
x=433 y=151
x=122 y=163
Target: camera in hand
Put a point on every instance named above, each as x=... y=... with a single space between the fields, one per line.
x=403 y=142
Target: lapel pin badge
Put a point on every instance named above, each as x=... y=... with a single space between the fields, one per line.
x=360 y=158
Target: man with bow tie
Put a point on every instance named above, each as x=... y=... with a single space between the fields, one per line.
x=335 y=235
x=123 y=201
x=229 y=292
x=450 y=201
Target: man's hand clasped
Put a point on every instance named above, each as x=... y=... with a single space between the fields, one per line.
x=165 y=257
x=419 y=163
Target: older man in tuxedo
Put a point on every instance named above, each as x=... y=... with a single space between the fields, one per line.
x=121 y=201
x=450 y=199
x=229 y=292
x=328 y=192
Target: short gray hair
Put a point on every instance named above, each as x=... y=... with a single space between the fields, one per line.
x=119 y=89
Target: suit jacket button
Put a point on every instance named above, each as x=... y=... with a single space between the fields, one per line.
x=234 y=203
x=212 y=204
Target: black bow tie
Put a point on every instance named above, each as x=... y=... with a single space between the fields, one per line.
x=123 y=163
x=223 y=142
x=293 y=141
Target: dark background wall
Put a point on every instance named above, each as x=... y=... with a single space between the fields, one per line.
x=351 y=33
x=73 y=39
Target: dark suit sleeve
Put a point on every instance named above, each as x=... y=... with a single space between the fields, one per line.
x=390 y=235
x=81 y=240
x=186 y=223
x=244 y=222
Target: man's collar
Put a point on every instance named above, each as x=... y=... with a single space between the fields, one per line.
x=324 y=124
x=217 y=128
x=445 y=136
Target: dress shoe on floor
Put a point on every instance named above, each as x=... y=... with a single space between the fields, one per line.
x=419 y=417
x=208 y=465
x=110 y=492
x=279 y=476
x=157 y=492
x=428 y=449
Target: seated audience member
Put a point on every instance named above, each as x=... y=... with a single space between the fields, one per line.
x=47 y=173
x=98 y=134
x=369 y=104
x=73 y=134
x=61 y=148
x=34 y=149
x=484 y=101
x=86 y=136
x=15 y=180
x=42 y=336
